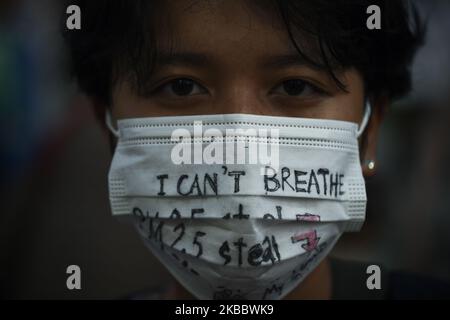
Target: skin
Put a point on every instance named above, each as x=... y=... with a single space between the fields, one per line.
x=241 y=70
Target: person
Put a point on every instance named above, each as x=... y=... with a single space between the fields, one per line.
x=314 y=60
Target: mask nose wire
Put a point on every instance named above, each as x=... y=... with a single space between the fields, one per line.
x=362 y=127
x=365 y=120
x=108 y=121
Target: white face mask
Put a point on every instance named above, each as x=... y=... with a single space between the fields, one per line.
x=231 y=230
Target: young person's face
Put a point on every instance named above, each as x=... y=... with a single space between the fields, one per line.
x=238 y=58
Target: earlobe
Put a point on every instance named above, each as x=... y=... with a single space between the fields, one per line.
x=369 y=140
x=368 y=168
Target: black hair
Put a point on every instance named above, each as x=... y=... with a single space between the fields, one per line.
x=118 y=37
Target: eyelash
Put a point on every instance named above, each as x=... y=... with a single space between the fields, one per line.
x=166 y=84
x=308 y=84
x=315 y=88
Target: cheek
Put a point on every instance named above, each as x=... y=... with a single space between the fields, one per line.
x=340 y=105
x=126 y=104
x=349 y=106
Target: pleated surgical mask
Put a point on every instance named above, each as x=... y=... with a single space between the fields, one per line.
x=239 y=206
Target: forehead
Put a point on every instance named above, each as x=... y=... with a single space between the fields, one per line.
x=234 y=29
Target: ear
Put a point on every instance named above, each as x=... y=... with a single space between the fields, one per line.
x=100 y=111
x=369 y=140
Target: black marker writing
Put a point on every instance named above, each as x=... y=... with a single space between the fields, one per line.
x=237 y=176
x=198 y=234
x=277 y=289
x=240 y=215
x=155 y=233
x=324 y=172
x=223 y=250
x=196 y=211
x=161 y=183
x=180 y=235
x=258 y=253
x=239 y=244
x=304 y=181
x=270 y=216
x=195 y=188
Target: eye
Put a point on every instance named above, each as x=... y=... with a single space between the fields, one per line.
x=296 y=87
x=181 y=87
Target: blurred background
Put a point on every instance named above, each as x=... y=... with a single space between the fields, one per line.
x=54 y=160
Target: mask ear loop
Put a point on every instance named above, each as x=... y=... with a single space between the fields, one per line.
x=108 y=121
x=365 y=120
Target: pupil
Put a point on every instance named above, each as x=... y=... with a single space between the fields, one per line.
x=182 y=87
x=294 y=87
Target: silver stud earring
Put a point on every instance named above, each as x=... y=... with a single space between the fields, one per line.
x=370 y=164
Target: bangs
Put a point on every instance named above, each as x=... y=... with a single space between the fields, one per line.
x=120 y=40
